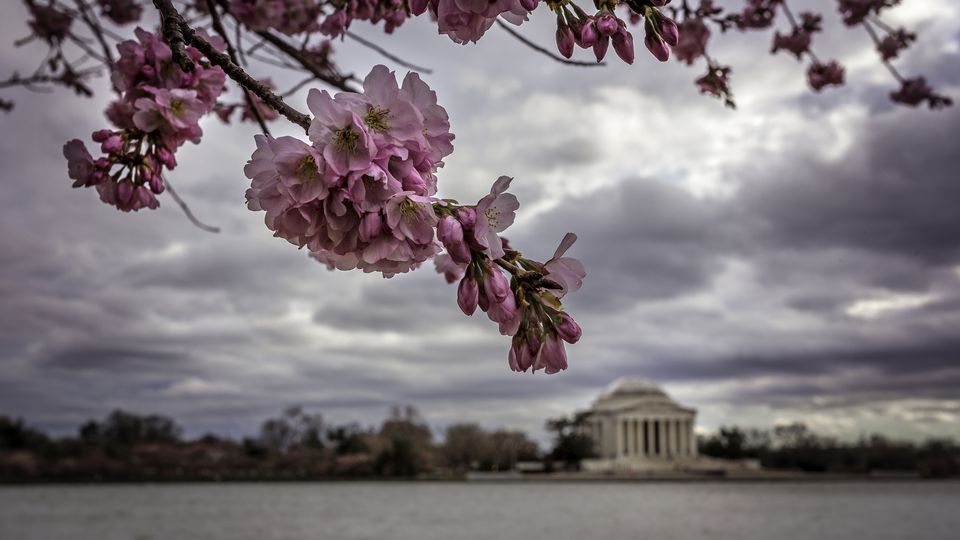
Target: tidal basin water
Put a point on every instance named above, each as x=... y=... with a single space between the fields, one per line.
x=487 y=511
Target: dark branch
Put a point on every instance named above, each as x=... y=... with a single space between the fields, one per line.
x=218 y=27
x=307 y=64
x=174 y=28
x=542 y=50
x=173 y=24
x=186 y=210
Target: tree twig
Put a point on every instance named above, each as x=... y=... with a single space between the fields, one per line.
x=186 y=209
x=547 y=52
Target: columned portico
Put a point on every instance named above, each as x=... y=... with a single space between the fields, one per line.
x=635 y=424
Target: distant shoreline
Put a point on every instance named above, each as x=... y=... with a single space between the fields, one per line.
x=758 y=477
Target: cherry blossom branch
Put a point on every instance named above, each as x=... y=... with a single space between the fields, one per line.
x=386 y=54
x=186 y=209
x=177 y=34
x=232 y=53
x=876 y=41
x=308 y=64
x=796 y=28
x=544 y=51
x=95 y=29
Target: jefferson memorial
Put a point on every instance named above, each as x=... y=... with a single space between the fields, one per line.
x=635 y=425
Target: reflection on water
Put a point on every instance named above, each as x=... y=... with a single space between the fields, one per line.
x=457 y=511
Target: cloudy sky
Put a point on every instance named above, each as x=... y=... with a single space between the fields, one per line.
x=796 y=259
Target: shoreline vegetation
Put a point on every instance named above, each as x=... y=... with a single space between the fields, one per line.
x=299 y=446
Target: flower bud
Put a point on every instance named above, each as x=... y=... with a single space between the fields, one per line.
x=600 y=47
x=467 y=295
x=587 y=35
x=467 y=217
x=113 y=144
x=669 y=31
x=147 y=71
x=552 y=357
x=606 y=24
x=623 y=45
x=166 y=157
x=568 y=329
x=529 y=5
x=496 y=286
x=657 y=47
x=125 y=192
x=145 y=198
x=565 y=40
x=101 y=135
x=418 y=7
x=156 y=184
x=450 y=233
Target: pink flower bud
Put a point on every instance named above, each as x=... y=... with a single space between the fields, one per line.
x=495 y=285
x=450 y=233
x=156 y=184
x=417 y=7
x=467 y=217
x=588 y=33
x=600 y=47
x=606 y=24
x=101 y=135
x=623 y=45
x=657 y=47
x=568 y=329
x=125 y=192
x=113 y=144
x=669 y=31
x=370 y=226
x=529 y=5
x=552 y=357
x=565 y=41
x=468 y=295
x=148 y=71
x=167 y=158
x=146 y=199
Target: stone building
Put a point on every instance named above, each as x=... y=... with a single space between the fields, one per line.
x=636 y=425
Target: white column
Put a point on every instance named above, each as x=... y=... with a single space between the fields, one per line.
x=693 y=439
x=661 y=434
x=616 y=437
x=643 y=436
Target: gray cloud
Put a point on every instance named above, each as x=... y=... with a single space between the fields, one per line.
x=724 y=253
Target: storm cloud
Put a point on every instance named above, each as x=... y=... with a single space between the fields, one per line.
x=797 y=259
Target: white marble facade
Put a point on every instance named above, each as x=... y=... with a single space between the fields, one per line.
x=636 y=424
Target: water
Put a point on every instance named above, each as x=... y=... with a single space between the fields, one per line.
x=483 y=511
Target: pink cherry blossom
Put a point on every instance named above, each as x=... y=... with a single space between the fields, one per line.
x=495 y=212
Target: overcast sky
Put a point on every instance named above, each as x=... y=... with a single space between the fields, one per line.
x=795 y=260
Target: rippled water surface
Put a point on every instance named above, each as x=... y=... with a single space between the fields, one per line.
x=487 y=511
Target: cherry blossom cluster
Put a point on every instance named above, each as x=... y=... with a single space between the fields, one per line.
x=526 y=306
x=763 y=14
x=598 y=31
x=466 y=21
x=330 y=17
x=159 y=109
x=359 y=195
x=390 y=12
x=290 y=17
x=121 y=11
x=48 y=22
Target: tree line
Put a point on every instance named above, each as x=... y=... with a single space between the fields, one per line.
x=296 y=445
x=300 y=445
